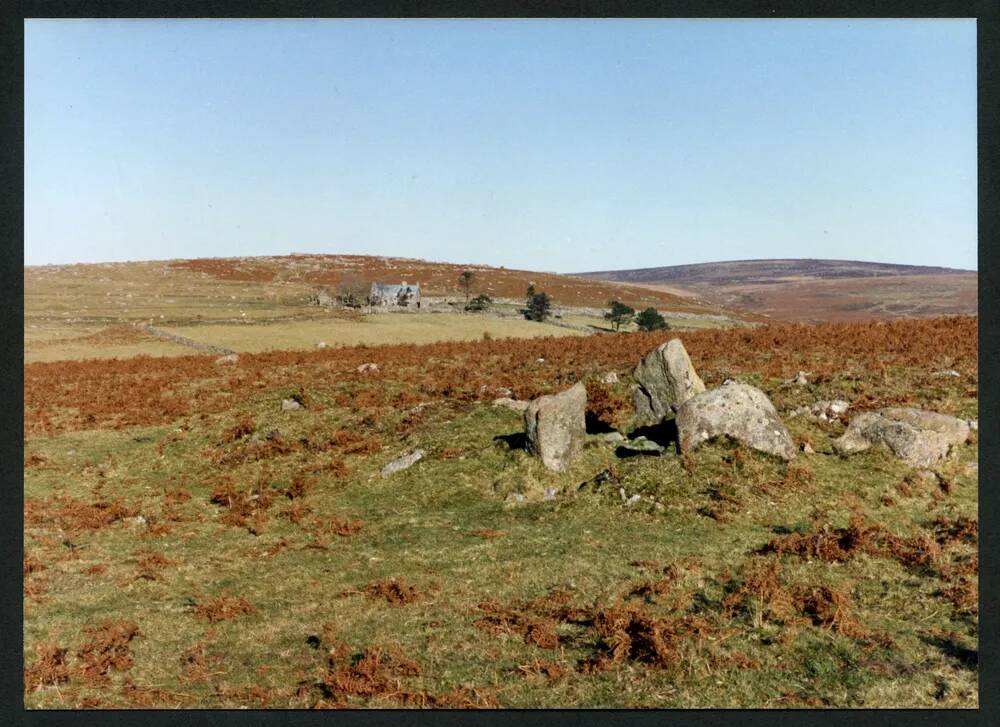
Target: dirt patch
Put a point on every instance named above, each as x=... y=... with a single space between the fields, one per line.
x=224 y=608
x=394 y=591
x=487 y=533
x=106 y=648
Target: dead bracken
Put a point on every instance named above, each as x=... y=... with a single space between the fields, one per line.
x=106 y=648
x=394 y=591
x=224 y=608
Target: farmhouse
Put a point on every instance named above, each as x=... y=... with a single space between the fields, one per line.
x=383 y=295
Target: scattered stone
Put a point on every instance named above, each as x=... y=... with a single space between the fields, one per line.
x=555 y=426
x=403 y=462
x=550 y=493
x=947 y=372
x=632 y=500
x=539 y=360
x=823 y=411
x=611 y=437
x=610 y=378
x=641 y=444
x=919 y=437
x=621 y=494
x=321 y=344
x=973 y=424
x=512 y=404
x=227 y=360
x=800 y=379
x=366 y=367
x=290 y=405
x=971 y=469
x=740 y=411
x=515 y=497
x=665 y=379
x=807 y=449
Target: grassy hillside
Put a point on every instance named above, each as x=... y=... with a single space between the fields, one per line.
x=816 y=290
x=188 y=544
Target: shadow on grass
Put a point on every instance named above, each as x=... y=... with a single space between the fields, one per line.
x=517 y=440
x=966 y=657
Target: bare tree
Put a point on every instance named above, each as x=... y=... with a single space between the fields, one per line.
x=465 y=283
x=352 y=291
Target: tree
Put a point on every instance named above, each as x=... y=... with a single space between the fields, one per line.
x=539 y=305
x=620 y=314
x=480 y=303
x=352 y=291
x=465 y=283
x=651 y=320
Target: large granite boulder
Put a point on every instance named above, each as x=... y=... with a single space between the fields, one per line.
x=919 y=437
x=665 y=379
x=740 y=411
x=555 y=426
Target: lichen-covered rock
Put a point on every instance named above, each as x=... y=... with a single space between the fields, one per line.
x=740 y=411
x=665 y=379
x=555 y=426
x=918 y=437
x=290 y=405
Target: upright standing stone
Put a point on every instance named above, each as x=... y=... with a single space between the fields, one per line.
x=665 y=379
x=555 y=426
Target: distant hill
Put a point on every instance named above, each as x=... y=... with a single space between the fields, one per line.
x=814 y=290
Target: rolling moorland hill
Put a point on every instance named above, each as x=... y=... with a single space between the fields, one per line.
x=815 y=290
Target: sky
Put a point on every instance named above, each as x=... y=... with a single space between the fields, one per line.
x=556 y=145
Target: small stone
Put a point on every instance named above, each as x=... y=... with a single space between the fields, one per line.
x=401 y=463
x=366 y=367
x=321 y=344
x=641 y=444
x=611 y=437
x=621 y=493
x=290 y=405
x=550 y=493
x=227 y=360
x=632 y=500
x=515 y=497
x=806 y=449
x=800 y=379
x=947 y=372
x=610 y=378
x=973 y=424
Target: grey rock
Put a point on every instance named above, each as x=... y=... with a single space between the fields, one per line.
x=665 y=379
x=366 y=367
x=800 y=379
x=227 y=360
x=290 y=405
x=740 y=411
x=401 y=463
x=610 y=378
x=973 y=424
x=512 y=404
x=611 y=437
x=515 y=497
x=321 y=344
x=632 y=500
x=641 y=444
x=555 y=426
x=807 y=449
x=947 y=372
x=550 y=493
x=918 y=437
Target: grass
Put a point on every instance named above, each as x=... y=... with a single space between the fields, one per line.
x=448 y=526
x=370 y=330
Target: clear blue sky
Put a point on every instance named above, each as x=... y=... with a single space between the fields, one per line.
x=551 y=145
